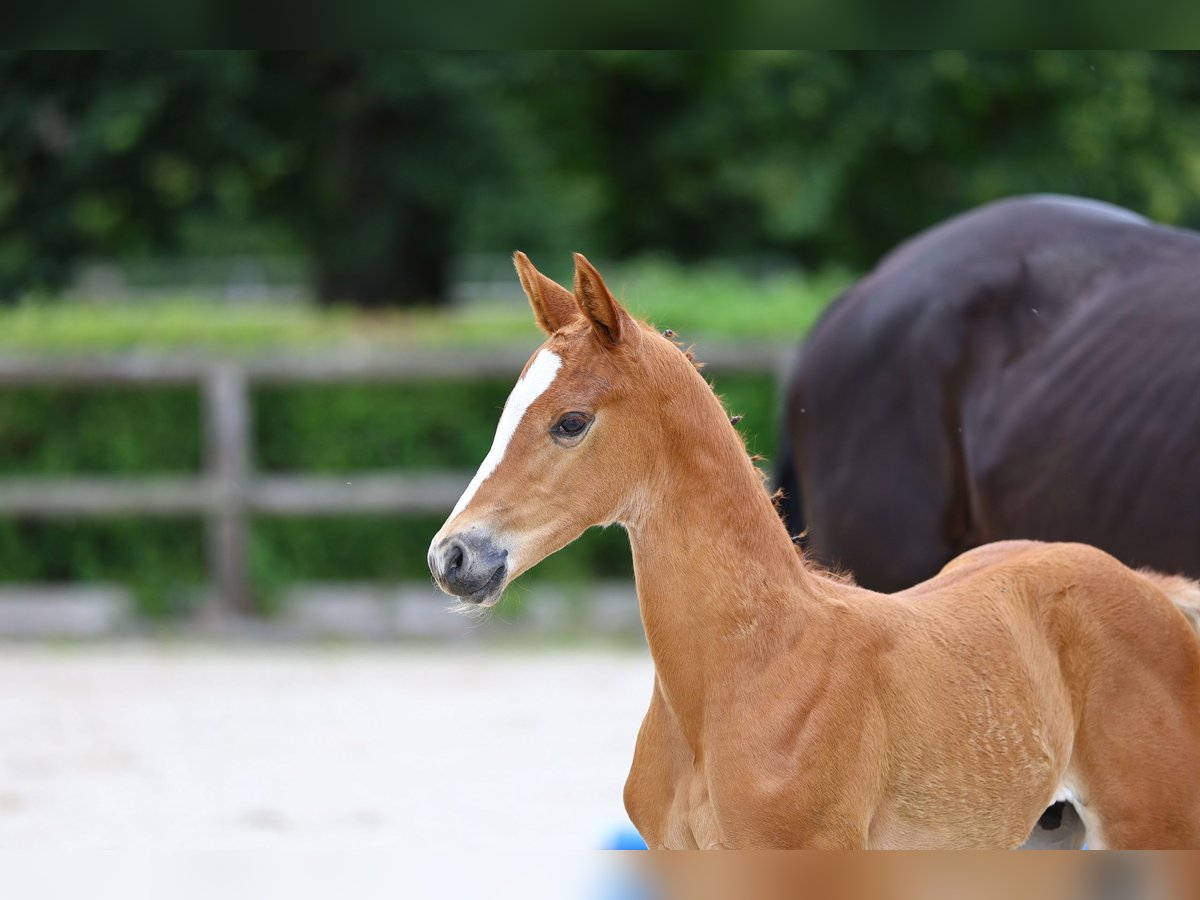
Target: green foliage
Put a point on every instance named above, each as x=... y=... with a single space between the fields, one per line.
x=717 y=300
x=384 y=548
x=175 y=323
x=48 y=431
x=753 y=398
x=382 y=168
x=705 y=301
x=415 y=425
x=161 y=560
x=391 y=548
x=827 y=155
x=366 y=160
x=106 y=153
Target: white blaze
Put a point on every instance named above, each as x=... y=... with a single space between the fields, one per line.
x=538 y=377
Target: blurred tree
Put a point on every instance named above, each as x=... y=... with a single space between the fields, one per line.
x=383 y=167
x=368 y=159
x=394 y=147
x=830 y=155
x=105 y=153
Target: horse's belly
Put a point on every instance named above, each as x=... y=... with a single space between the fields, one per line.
x=960 y=812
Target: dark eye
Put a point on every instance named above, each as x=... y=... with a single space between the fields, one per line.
x=571 y=425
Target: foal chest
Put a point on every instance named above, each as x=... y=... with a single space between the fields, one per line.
x=687 y=819
x=667 y=794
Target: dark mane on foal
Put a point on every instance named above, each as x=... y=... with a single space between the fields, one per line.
x=689 y=351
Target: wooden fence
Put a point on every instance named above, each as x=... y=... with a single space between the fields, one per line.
x=227 y=493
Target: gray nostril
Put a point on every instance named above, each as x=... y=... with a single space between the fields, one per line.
x=454 y=558
x=469 y=565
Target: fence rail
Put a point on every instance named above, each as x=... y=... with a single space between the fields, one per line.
x=227 y=493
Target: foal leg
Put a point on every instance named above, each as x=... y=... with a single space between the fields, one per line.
x=1136 y=773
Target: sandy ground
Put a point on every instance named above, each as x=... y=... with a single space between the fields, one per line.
x=198 y=748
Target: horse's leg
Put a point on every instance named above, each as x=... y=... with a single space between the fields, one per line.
x=661 y=762
x=1134 y=771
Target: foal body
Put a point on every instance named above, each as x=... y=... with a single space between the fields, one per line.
x=804 y=712
x=791 y=709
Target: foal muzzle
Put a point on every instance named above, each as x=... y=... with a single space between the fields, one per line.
x=469 y=566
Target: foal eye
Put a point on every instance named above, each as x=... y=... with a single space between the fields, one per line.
x=571 y=425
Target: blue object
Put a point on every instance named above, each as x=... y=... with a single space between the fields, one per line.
x=623 y=879
x=625 y=839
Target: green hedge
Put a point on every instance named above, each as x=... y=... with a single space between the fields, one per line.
x=423 y=425
x=53 y=431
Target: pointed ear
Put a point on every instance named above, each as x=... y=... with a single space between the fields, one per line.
x=608 y=319
x=553 y=305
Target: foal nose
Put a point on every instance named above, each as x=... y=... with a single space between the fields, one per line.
x=469 y=566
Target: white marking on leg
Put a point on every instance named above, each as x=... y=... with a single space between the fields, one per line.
x=1065 y=794
x=537 y=379
x=1069 y=793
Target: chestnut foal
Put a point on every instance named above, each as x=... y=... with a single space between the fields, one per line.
x=793 y=709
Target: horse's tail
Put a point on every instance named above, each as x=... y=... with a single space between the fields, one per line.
x=787 y=482
x=1182 y=591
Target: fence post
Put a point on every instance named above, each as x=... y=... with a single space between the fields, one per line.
x=227 y=460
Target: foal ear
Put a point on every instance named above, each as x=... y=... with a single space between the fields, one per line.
x=602 y=310
x=553 y=305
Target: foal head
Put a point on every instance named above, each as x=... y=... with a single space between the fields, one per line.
x=578 y=441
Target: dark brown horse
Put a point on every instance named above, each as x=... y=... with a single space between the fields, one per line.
x=1030 y=369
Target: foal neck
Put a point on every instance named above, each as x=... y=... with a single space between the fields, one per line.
x=718 y=578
